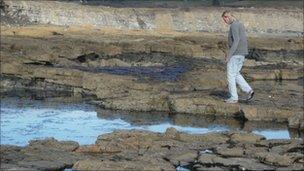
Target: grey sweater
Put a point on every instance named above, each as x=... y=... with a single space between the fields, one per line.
x=237 y=40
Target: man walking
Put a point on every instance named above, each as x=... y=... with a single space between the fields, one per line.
x=238 y=48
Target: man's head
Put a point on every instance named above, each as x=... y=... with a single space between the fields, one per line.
x=228 y=17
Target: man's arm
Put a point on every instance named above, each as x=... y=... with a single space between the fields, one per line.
x=236 y=39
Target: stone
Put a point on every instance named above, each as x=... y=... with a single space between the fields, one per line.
x=275 y=159
x=203 y=168
x=294 y=167
x=183 y=159
x=141 y=142
x=47 y=154
x=15 y=167
x=58 y=153
x=43 y=165
x=139 y=101
x=295 y=120
x=90 y=149
x=237 y=163
x=273 y=142
x=246 y=138
x=297 y=157
x=145 y=150
x=260 y=113
x=296 y=145
x=202 y=105
x=212 y=138
x=230 y=152
x=53 y=143
x=206 y=159
x=11 y=153
x=242 y=163
x=122 y=165
x=172 y=133
x=251 y=151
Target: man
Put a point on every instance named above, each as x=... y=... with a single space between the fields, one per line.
x=238 y=48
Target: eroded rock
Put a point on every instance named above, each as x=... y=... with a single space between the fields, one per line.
x=144 y=150
x=246 y=138
x=122 y=165
x=230 y=152
x=275 y=159
x=233 y=163
x=184 y=158
x=68 y=146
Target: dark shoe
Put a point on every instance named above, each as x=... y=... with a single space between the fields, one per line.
x=250 y=95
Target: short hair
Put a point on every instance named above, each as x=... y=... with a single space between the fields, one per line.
x=226 y=12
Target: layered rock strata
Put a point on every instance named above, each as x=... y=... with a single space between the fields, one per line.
x=141 y=150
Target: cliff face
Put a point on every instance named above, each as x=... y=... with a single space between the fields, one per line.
x=203 y=19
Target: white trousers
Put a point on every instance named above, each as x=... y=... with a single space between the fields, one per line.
x=234 y=77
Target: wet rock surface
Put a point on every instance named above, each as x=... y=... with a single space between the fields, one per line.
x=143 y=150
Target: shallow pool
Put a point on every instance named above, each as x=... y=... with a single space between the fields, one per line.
x=24 y=119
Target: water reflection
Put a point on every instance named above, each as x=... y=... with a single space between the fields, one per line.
x=69 y=118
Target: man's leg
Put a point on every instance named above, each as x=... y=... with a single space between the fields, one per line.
x=240 y=79
x=245 y=87
x=232 y=71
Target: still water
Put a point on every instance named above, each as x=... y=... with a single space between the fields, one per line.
x=24 y=119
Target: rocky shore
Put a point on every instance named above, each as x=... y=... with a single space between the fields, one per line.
x=134 y=71
x=139 y=63
x=142 y=150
